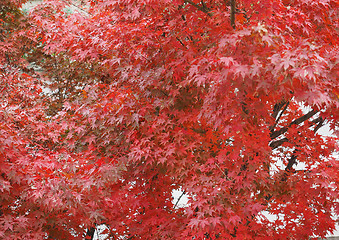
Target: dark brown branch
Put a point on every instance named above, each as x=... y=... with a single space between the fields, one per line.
x=232 y=13
x=320 y=122
x=291 y=162
x=181 y=42
x=199 y=130
x=276 y=112
x=244 y=108
x=203 y=4
x=277 y=107
x=182 y=194
x=275 y=144
x=303 y=118
x=278 y=143
x=202 y=8
x=90 y=233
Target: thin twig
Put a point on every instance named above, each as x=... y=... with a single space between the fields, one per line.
x=221 y=170
x=182 y=194
x=181 y=42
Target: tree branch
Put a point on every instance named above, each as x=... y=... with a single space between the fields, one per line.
x=182 y=194
x=276 y=112
x=291 y=162
x=289 y=166
x=320 y=122
x=278 y=143
x=303 y=118
x=90 y=233
x=232 y=13
x=277 y=107
x=275 y=144
x=223 y=172
x=181 y=42
x=202 y=8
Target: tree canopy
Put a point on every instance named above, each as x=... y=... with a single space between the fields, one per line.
x=108 y=108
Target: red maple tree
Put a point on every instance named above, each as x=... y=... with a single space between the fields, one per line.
x=109 y=107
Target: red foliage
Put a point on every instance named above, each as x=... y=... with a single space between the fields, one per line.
x=105 y=111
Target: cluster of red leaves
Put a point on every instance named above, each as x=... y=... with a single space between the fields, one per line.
x=135 y=99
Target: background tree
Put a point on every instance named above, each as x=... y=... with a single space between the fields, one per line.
x=222 y=99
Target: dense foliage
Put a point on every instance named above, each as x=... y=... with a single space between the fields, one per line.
x=109 y=106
